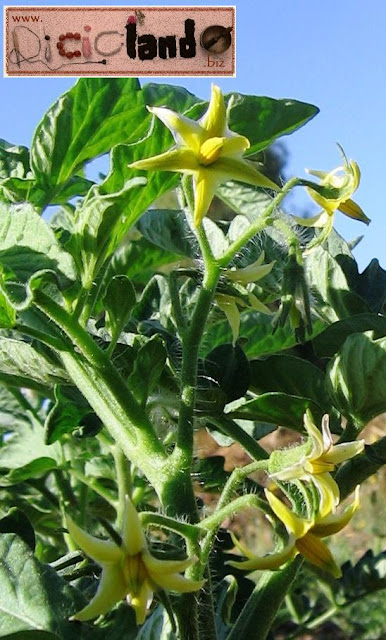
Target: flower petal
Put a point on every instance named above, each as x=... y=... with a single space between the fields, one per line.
x=155 y=565
x=316 y=552
x=334 y=522
x=102 y=551
x=229 y=168
x=111 y=590
x=175 y=582
x=141 y=602
x=295 y=525
x=353 y=210
x=328 y=491
x=315 y=435
x=315 y=221
x=214 y=120
x=271 y=561
x=133 y=537
x=181 y=160
x=235 y=145
x=185 y=131
x=345 y=451
x=205 y=185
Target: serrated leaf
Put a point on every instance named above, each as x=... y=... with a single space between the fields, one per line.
x=86 y=122
x=64 y=416
x=33 y=599
x=371 y=286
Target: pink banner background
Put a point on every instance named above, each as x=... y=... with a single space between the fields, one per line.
x=99 y=34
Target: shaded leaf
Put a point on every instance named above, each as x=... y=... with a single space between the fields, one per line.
x=33 y=599
x=21 y=360
x=329 y=341
x=15 y=521
x=169 y=230
x=277 y=408
x=229 y=368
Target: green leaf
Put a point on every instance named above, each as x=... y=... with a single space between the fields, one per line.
x=33 y=599
x=63 y=417
x=149 y=364
x=15 y=521
x=157 y=627
x=329 y=341
x=25 y=454
x=14 y=161
x=330 y=286
x=263 y=119
x=169 y=230
x=229 y=368
x=10 y=408
x=277 y=408
x=371 y=286
x=34 y=469
x=86 y=122
x=102 y=220
x=291 y=375
x=20 y=360
x=139 y=260
x=29 y=245
x=166 y=95
x=356 y=378
x=7 y=313
x=119 y=300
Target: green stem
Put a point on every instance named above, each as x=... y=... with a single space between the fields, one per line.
x=188 y=531
x=257 y=617
x=176 y=303
x=233 y=430
x=243 y=502
x=106 y=391
x=259 y=224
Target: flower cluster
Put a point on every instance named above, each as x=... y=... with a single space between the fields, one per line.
x=310 y=463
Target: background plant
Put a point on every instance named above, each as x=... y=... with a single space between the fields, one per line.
x=106 y=305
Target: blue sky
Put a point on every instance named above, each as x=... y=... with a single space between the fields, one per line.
x=330 y=53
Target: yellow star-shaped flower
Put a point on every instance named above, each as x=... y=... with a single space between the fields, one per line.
x=317 y=459
x=305 y=537
x=335 y=190
x=129 y=570
x=207 y=150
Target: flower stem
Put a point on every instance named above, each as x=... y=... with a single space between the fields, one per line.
x=232 y=429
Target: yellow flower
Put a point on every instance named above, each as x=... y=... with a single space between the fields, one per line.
x=229 y=303
x=207 y=150
x=316 y=460
x=304 y=538
x=129 y=570
x=334 y=193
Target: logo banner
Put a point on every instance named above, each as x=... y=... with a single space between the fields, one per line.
x=119 y=41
